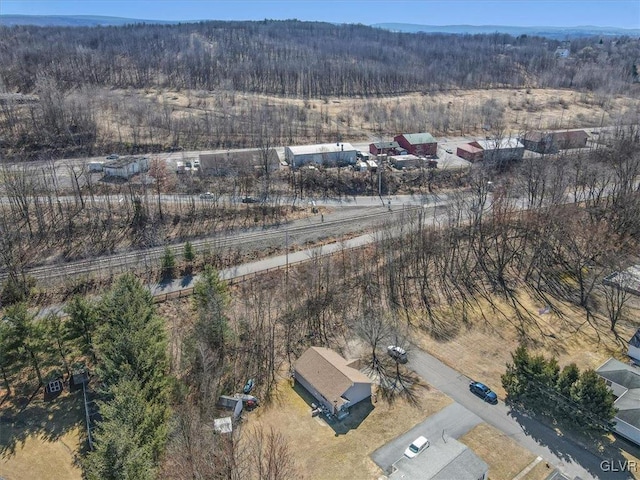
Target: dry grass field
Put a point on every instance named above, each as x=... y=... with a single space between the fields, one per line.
x=505 y=457
x=482 y=347
x=359 y=118
x=342 y=452
x=43 y=440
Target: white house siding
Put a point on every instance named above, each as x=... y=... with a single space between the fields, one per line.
x=628 y=431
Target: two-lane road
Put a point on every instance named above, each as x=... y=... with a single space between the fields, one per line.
x=570 y=458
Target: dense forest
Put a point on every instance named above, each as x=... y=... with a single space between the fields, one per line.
x=302 y=59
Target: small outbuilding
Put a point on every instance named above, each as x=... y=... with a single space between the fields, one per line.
x=418 y=143
x=384 y=148
x=406 y=161
x=470 y=151
x=330 y=380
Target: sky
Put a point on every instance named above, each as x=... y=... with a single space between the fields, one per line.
x=554 y=13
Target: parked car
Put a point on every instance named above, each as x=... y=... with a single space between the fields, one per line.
x=484 y=392
x=448 y=150
x=418 y=446
x=113 y=156
x=206 y=196
x=399 y=354
x=250 y=200
x=248 y=386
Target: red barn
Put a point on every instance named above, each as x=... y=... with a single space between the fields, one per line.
x=470 y=151
x=417 y=143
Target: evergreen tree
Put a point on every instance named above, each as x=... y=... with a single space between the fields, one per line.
x=211 y=299
x=595 y=399
x=168 y=266
x=189 y=252
x=570 y=374
x=28 y=336
x=81 y=324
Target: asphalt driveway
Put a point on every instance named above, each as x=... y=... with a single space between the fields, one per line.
x=452 y=421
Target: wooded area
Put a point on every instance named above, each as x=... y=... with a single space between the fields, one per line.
x=92 y=90
x=438 y=271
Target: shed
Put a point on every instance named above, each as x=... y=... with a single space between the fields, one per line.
x=384 y=148
x=624 y=382
x=406 y=161
x=570 y=139
x=328 y=154
x=329 y=379
x=540 y=142
x=418 y=143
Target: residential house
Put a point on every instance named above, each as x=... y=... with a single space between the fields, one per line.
x=442 y=460
x=330 y=380
x=624 y=381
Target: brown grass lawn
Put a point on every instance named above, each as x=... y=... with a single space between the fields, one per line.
x=505 y=457
x=322 y=453
x=482 y=347
x=43 y=441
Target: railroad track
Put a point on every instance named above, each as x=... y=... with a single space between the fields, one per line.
x=149 y=258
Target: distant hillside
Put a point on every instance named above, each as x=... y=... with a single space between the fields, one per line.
x=72 y=21
x=559 y=33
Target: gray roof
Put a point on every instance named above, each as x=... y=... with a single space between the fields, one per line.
x=635 y=340
x=419 y=138
x=628 y=404
x=502 y=143
x=442 y=461
x=122 y=161
x=380 y=145
x=321 y=148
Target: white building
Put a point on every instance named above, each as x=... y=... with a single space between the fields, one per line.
x=126 y=167
x=624 y=382
x=501 y=150
x=323 y=154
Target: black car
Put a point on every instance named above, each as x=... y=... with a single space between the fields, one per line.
x=250 y=200
x=484 y=392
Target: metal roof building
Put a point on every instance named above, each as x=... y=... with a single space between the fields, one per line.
x=321 y=154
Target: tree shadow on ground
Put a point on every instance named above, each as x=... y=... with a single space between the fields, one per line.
x=357 y=413
x=45 y=419
x=573 y=446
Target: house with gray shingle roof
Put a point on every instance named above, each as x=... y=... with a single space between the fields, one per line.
x=624 y=381
x=330 y=380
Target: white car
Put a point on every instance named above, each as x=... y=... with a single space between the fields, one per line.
x=418 y=446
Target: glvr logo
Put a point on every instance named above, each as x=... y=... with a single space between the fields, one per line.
x=619 y=466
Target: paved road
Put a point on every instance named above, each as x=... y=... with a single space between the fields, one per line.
x=567 y=456
x=452 y=421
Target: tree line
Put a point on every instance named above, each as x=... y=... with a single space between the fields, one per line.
x=301 y=59
x=568 y=395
